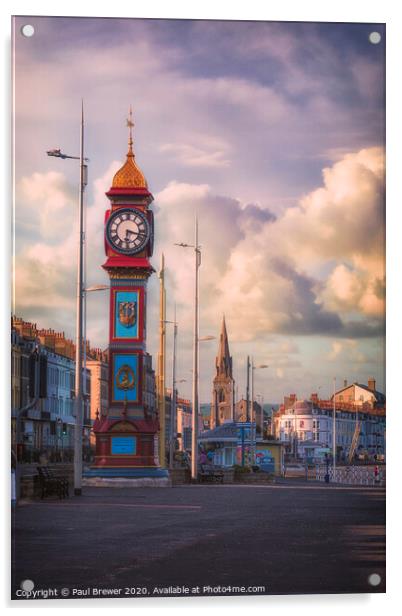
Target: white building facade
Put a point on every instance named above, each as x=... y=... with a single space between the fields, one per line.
x=306 y=429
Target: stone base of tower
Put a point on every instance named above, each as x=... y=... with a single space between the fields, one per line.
x=143 y=478
x=126 y=454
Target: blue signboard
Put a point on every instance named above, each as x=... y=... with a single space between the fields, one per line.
x=126 y=445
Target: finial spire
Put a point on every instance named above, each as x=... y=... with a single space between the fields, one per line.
x=130 y=125
x=129 y=176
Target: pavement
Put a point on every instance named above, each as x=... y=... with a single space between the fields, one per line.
x=288 y=538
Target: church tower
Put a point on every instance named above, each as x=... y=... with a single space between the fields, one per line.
x=127 y=432
x=222 y=408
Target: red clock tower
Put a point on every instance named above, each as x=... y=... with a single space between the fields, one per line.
x=126 y=436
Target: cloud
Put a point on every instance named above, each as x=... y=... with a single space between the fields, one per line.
x=276 y=276
x=264 y=272
x=47 y=205
x=349 y=352
x=255 y=100
x=345 y=217
x=349 y=289
x=45 y=270
x=204 y=151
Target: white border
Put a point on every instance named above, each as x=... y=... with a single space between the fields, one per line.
x=306 y=10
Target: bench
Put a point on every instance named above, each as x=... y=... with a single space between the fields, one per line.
x=209 y=472
x=52 y=483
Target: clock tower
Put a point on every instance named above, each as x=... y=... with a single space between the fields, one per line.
x=127 y=433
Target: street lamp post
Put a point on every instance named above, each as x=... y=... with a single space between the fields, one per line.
x=79 y=318
x=161 y=389
x=260 y=398
x=248 y=390
x=253 y=431
x=174 y=397
x=78 y=350
x=194 y=435
x=334 y=434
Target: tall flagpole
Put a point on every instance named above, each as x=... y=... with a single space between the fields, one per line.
x=162 y=366
x=194 y=434
x=173 y=421
x=79 y=331
x=252 y=418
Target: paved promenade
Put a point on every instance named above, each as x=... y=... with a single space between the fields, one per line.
x=292 y=537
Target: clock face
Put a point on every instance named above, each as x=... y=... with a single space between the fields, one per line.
x=128 y=231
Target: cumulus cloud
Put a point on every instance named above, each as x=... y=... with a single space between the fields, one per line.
x=268 y=274
x=349 y=352
x=349 y=289
x=47 y=205
x=46 y=269
x=277 y=276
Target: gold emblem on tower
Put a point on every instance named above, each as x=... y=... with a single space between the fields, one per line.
x=128 y=313
x=125 y=378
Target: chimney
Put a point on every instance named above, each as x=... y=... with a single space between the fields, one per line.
x=371 y=384
x=345 y=382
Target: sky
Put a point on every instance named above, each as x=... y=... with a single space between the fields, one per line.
x=272 y=133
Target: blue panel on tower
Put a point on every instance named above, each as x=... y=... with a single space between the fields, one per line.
x=125 y=377
x=124 y=445
x=126 y=314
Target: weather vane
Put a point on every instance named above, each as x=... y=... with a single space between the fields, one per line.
x=130 y=124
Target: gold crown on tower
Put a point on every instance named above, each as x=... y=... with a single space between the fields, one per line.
x=129 y=175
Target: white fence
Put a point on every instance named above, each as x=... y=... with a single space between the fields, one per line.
x=353 y=475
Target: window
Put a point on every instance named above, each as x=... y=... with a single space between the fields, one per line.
x=228 y=457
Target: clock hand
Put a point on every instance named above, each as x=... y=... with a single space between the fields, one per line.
x=136 y=233
x=128 y=233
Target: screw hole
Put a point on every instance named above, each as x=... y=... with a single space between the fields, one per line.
x=27 y=585
x=375 y=38
x=27 y=30
x=374 y=579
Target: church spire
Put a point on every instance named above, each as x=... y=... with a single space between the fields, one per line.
x=223 y=360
